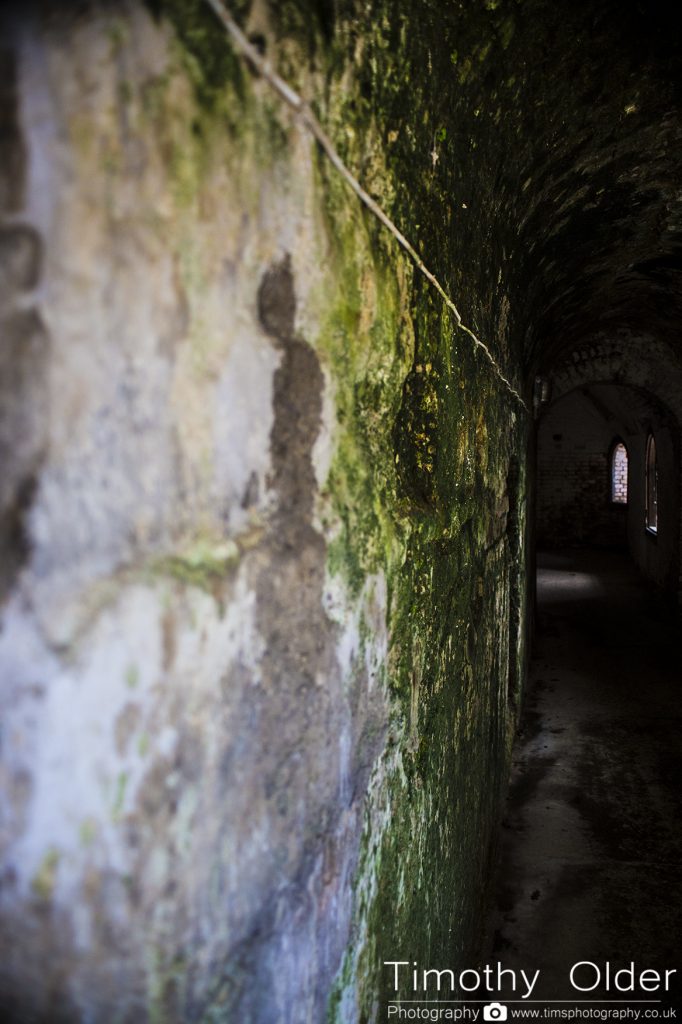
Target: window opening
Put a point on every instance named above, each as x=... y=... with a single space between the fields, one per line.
x=619 y=475
x=651 y=485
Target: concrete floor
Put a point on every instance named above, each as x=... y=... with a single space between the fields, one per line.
x=590 y=862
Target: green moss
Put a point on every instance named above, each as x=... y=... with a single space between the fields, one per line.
x=507 y=31
x=125 y=92
x=210 y=61
x=424 y=434
x=168 y=980
x=119 y=795
x=362 y=480
x=87 y=832
x=424 y=440
x=43 y=882
x=118 y=32
x=202 y=565
x=465 y=70
x=132 y=677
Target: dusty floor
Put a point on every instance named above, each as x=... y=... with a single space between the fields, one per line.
x=590 y=862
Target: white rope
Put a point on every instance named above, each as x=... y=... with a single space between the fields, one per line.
x=292 y=99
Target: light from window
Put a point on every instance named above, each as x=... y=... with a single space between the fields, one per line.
x=619 y=475
x=651 y=485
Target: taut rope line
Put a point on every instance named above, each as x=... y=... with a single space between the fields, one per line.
x=296 y=102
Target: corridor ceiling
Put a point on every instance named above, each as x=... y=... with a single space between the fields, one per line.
x=595 y=182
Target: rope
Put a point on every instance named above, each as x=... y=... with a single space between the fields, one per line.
x=296 y=102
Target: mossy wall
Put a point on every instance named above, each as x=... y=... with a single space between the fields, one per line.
x=267 y=615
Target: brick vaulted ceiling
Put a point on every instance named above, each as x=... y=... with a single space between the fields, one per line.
x=561 y=163
x=600 y=221
x=544 y=141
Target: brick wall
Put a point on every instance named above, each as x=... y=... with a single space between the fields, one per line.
x=647 y=398
x=575 y=438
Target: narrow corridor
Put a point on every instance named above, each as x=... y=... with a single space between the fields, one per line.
x=590 y=860
x=314 y=314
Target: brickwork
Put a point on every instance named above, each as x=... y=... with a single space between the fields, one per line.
x=646 y=365
x=577 y=438
x=574 y=501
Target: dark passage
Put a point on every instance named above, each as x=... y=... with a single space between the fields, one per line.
x=590 y=864
x=317 y=319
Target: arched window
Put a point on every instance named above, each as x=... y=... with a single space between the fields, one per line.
x=619 y=474
x=651 y=485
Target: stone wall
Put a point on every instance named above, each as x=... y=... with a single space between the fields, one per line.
x=574 y=506
x=656 y=555
x=262 y=513
x=576 y=434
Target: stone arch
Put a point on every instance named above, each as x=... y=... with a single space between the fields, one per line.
x=629 y=411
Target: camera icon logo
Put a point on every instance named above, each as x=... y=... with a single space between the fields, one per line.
x=496 y=1011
